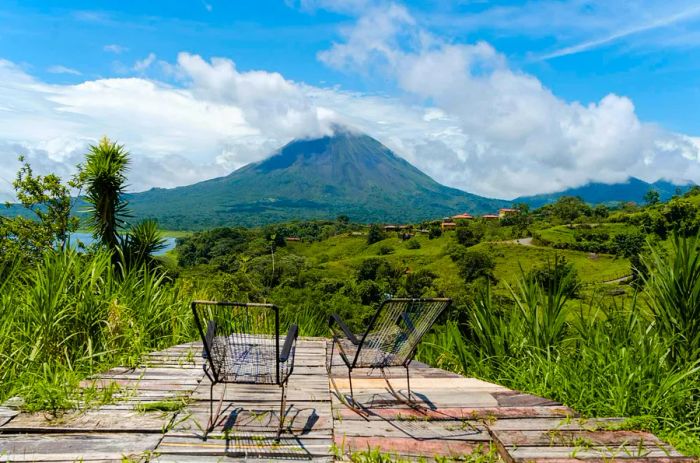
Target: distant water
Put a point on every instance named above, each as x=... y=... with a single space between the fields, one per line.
x=87 y=239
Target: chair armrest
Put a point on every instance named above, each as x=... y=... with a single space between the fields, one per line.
x=335 y=319
x=407 y=321
x=289 y=342
x=209 y=338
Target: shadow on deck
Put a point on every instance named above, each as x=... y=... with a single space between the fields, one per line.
x=162 y=407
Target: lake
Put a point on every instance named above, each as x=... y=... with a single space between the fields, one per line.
x=87 y=239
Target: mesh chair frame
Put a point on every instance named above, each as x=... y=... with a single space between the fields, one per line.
x=401 y=350
x=223 y=370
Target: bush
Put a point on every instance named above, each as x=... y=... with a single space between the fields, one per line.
x=474 y=265
x=375 y=234
x=412 y=244
x=552 y=276
x=467 y=235
x=385 y=250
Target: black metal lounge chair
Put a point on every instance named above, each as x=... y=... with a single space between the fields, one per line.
x=390 y=339
x=242 y=345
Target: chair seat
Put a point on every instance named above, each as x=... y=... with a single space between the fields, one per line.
x=248 y=360
x=374 y=353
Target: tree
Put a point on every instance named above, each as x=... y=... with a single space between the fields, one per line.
x=434 y=231
x=104 y=179
x=560 y=276
x=601 y=211
x=48 y=200
x=474 y=265
x=652 y=197
x=104 y=176
x=468 y=235
x=569 y=208
x=375 y=234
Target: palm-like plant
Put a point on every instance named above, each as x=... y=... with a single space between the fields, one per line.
x=142 y=241
x=104 y=175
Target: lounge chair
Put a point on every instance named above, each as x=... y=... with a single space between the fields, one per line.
x=390 y=340
x=242 y=345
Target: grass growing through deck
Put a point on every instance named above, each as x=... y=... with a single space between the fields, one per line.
x=70 y=315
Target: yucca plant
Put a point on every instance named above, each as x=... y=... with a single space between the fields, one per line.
x=673 y=295
x=104 y=177
x=543 y=310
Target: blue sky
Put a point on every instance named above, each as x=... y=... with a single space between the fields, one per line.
x=572 y=90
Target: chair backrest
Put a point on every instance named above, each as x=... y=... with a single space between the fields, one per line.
x=230 y=331
x=396 y=329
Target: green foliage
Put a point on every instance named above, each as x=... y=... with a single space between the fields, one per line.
x=375 y=234
x=473 y=265
x=413 y=244
x=468 y=235
x=71 y=315
x=652 y=197
x=434 y=231
x=557 y=275
x=50 y=223
x=674 y=296
x=569 y=208
x=104 y=177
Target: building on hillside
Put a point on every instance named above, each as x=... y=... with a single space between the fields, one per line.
x=390 y=228
x=461 y=217
x=504 y=212
x=448 y=226
x=490 y=217
x=292 y=238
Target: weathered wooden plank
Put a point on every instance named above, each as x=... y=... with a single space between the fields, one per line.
x=414 y=429
x=96 y=420
x=533 y=423
x=7 y=414
x=488 y=414
x=408 y=446
x=432 y=399
x=84 y=446
x=510 y=398
x=558 y=437
x=585 y=452
x=464 y=385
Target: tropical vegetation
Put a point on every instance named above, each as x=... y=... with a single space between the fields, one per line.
x=600 y=310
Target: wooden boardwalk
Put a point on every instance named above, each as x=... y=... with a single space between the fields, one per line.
x=158 y=411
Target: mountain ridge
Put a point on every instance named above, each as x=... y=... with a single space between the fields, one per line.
x=346 y=173
x=633 y=189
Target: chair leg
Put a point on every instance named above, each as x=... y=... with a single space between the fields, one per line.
x=283 y=406
x=214 y=417
x=408 y=383
x=352 y=394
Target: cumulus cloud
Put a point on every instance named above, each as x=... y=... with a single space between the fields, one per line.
x=218 y=119
x=143 y=64
x=463 y=115
x=510 y=134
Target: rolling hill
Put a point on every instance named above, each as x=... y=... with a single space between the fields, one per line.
x=347 y=173
x=633 y=189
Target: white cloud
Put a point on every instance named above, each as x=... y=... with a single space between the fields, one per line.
x=114 y=48
x=58 y=69
x=143 y=64
x=465 y=117
x=508 y=134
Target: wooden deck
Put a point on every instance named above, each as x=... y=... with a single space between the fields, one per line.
x=159 y=410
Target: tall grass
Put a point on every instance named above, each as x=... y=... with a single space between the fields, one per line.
x=603 y=357
x=71 y=314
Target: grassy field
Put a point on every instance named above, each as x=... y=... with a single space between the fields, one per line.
x=340 y=255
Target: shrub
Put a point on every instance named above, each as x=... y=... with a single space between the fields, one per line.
x=375 y=234
x=474 y=265
x=385 y=250
x=413 y=244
